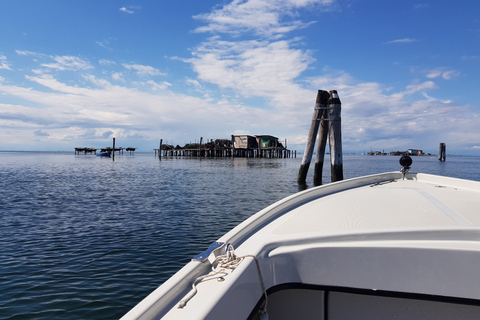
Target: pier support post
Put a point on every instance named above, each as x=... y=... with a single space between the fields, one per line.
x=307 y=156
x=335 y=132
x=113 y=154
x=160 y=150
x=442 y=152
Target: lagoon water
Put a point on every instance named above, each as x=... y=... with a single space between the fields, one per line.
x=85 y=237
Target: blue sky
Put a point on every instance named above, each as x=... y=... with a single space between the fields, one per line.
x=78 y=73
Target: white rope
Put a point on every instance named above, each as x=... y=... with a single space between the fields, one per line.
x=220 y=267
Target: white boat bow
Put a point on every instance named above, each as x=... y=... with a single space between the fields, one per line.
x=382 y=246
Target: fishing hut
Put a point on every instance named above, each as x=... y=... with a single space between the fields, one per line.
x=259 y=146
x=271 y=147
x=245 y=146
x=113 y=150
x=85 y=150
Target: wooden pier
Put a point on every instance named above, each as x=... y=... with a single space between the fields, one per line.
x=244 y=146
x=106 y=149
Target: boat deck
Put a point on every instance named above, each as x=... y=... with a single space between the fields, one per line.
x=418 y=203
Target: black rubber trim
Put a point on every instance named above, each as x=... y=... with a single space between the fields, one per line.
x=381 y=293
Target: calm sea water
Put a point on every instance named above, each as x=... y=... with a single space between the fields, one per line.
x=85 y=237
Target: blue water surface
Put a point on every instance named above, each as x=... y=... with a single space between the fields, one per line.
x=86 y=237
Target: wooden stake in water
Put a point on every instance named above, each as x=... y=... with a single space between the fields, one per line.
x=442 y=152
x=113 y=154
x=307 y=156
x=160 y=150
x=322 y=141
x=335 y=131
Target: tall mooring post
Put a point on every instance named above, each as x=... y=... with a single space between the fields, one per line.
x=442 y=152
x=335 y=131
x=113 y=150
x=322 y=140
x=307 y=155
x=326 y=116
x=160 y=150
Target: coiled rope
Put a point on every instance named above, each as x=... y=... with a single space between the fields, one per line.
x=222 y=266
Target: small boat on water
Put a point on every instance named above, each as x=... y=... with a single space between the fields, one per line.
x=396 y=245
x=104 y=154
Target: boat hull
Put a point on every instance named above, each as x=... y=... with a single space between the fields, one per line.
x=103 y=154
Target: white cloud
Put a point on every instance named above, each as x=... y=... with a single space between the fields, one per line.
x=404 y=40
x=27 y=53
x=105 y=62
x=123 y=9
x=130 y=9
x=68 y=63
x=416 y=88
x=69 y=111
x=193 y=82
x=48 y=81
x=103 y=44
x=3 y=63
x=162 y=86
x=144 y=70
x=118 y=76
x=252 y=68
x=442 y=73
x=96 y=81
x=262 y=17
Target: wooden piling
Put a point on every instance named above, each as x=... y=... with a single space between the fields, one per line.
x=335 y=131
x=322 y=140
x=322 y=144
x=442 y=152
x=160 y=150
x=307 y=156
x=113 y=150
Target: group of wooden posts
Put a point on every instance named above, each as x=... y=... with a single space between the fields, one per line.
x=326 y=121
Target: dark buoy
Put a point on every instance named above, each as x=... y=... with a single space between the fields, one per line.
x=405 y=162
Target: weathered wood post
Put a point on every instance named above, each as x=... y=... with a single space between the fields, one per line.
x=442 y=152
x=307 y=156
x=259 y=146
x=113 y=155
x=335 y=131
x=160 y=150
x=322 y=142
